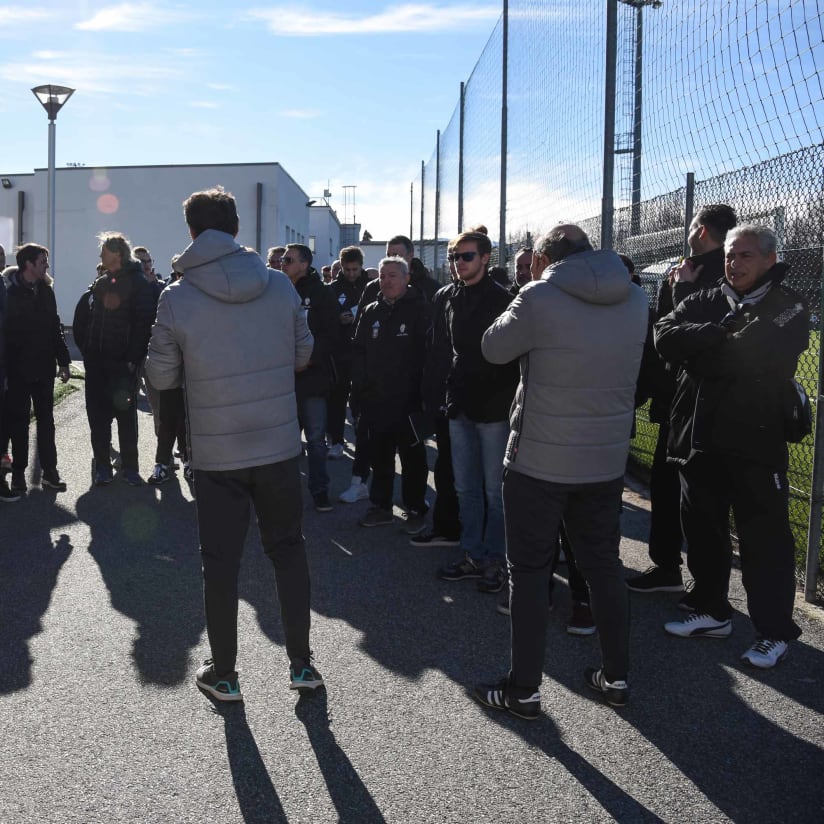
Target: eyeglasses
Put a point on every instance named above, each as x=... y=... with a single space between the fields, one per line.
x=466 y=257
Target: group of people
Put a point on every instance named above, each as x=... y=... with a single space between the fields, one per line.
x=529 y=391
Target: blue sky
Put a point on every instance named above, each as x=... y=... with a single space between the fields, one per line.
x=351 y=97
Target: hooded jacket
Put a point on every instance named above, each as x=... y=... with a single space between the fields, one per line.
x=579 y=333
x=234 y=332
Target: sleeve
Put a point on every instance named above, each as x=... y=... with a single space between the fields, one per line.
x=304 y=342
x=324 y=324
x=143 y=314
x=164 y=363
x=681 y=335
x=61 y=351
x=80 y=322
x=511 y=334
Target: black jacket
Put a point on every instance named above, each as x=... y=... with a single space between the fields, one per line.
x=388 y=356
x=322 y=317
x=113 y=318
x=419 y=279
x=347 y=296
x=732 y=376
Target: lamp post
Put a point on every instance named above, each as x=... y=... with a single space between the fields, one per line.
x=52 y=98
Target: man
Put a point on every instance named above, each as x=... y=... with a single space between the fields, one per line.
x=6 y=495
x=274 y=256
x=478 y=399
x=34 y=348
x=313 y=381
x=704 y=269
x=238 y=332
x=579 y=331
x=387 y=367
x=144 y=256
x=738 y=347
x=523 y=269
x=326 y=274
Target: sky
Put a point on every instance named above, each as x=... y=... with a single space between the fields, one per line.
x=338 y=98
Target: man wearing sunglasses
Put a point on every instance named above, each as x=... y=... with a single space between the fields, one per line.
x=478 y=398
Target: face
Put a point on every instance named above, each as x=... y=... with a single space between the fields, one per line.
x=274 y=260
x=146 y=262
x=523 y=264
x=110 y=260
x=393 y=281
x=469 y=271
x=745 y=264
x=292 y=265
x=400 y=250
x=351 y=271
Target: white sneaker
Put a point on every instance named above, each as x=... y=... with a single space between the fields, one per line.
x=358 y=491
x=335 y=451
x=700 y=625
x=765 y=654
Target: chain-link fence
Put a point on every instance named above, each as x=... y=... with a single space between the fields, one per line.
x=730 y=90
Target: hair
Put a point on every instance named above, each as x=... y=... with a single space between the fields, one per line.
x=28 y=253
x=273 y=249
x=119 y=244
x=397 y=260
x=407 y=243
x=499 y=275
x=524 y=250
x=304 y=252
x=717 y=219
x=327 y=268
x=351 y=254
x=480 y=229
x=481 y=240
x=563 y=240
x=141 y=250
x=211 y=209
x=766 y=237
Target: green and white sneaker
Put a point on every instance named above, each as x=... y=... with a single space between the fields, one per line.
x=221 y=688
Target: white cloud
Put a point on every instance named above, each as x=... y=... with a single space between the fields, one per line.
x=290 y=21
x=299 y=114
x=11 y=16
x=130 y=17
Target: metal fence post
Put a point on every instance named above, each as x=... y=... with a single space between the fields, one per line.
x=461 y=160
x=607 y=204
x=689 y=208
x=504 y=61
x=437 y=201
x=423 y=193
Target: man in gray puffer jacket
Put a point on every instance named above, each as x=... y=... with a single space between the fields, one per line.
x=234 y=332
x=579 y=332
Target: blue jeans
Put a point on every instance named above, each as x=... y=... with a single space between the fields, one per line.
x=312 y=419
x=477 y=461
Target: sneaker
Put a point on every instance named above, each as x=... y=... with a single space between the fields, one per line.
x=494 y=578
x=335 y=451
x=765 y=653
x=699 y=624
x=581 y=621
x=689 y=603
x=375 y=516
x=6 y=495
x=358 y=491
x=160 y=474
x=657 y=579
x=304 y=676
x=221 y=688
x=103 y=476
x=51 y=480
x=615 y=692
x=465 y=568
x=18 y=481
x=501 y=696
x=132 y=477
x=431 y=539
x=322 y=502
x=5 y=463
x=414 y=523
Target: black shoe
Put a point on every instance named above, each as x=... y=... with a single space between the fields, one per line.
x=657 y=579
x=6 y=495
x=103 y=476
x=322 y=502
x=51 y=480
x=221 y=688
x=304 y=676
x=521 y=703
x=465 y=568
x=494 y=580
x=18 y=480
x=431 y=539
x=616 y=692
x=689 y=603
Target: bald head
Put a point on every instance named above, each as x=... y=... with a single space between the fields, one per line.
x=563 y=240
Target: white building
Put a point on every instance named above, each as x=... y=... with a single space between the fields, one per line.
x=145 y=204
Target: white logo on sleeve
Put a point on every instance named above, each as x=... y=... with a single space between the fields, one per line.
x=376 y=328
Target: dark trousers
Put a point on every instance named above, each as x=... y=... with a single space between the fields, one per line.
x=111 y=393
x=414 y=470
x=533 y=511
x=577 y=584
x=338 y=399
x=21 y=395
x=445 y=514
x=665 y=533
x=758 y=496
x=171 y=418
x=223 y=500
x=362 y=463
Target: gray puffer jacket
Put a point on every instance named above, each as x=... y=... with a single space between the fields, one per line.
x=233 y=332
x=579 y=333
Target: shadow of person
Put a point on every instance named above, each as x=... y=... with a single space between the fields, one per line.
x=145 y=542
x=29 y=566
x=352 y=800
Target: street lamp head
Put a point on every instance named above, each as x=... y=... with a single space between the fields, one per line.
x=52 y=98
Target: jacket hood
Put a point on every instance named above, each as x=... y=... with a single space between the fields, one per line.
x=596 y=276
x=223 y=269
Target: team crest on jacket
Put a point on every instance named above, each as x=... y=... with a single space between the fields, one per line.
x=307 y=302
x=376 y=328
x=341 y=299
x=402 y=331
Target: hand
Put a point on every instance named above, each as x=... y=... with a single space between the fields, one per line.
x=686 y=272
x=64 y=374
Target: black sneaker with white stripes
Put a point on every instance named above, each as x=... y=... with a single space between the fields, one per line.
x=524 y=704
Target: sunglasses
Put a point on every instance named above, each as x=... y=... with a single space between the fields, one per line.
x=466 y=257
x=287 y=260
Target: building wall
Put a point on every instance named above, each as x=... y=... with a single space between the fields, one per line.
x=324 y=226
x=145 y=204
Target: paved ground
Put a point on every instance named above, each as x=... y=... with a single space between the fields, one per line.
x=101 y=630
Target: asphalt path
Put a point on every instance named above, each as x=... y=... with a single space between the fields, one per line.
x=102 y=629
